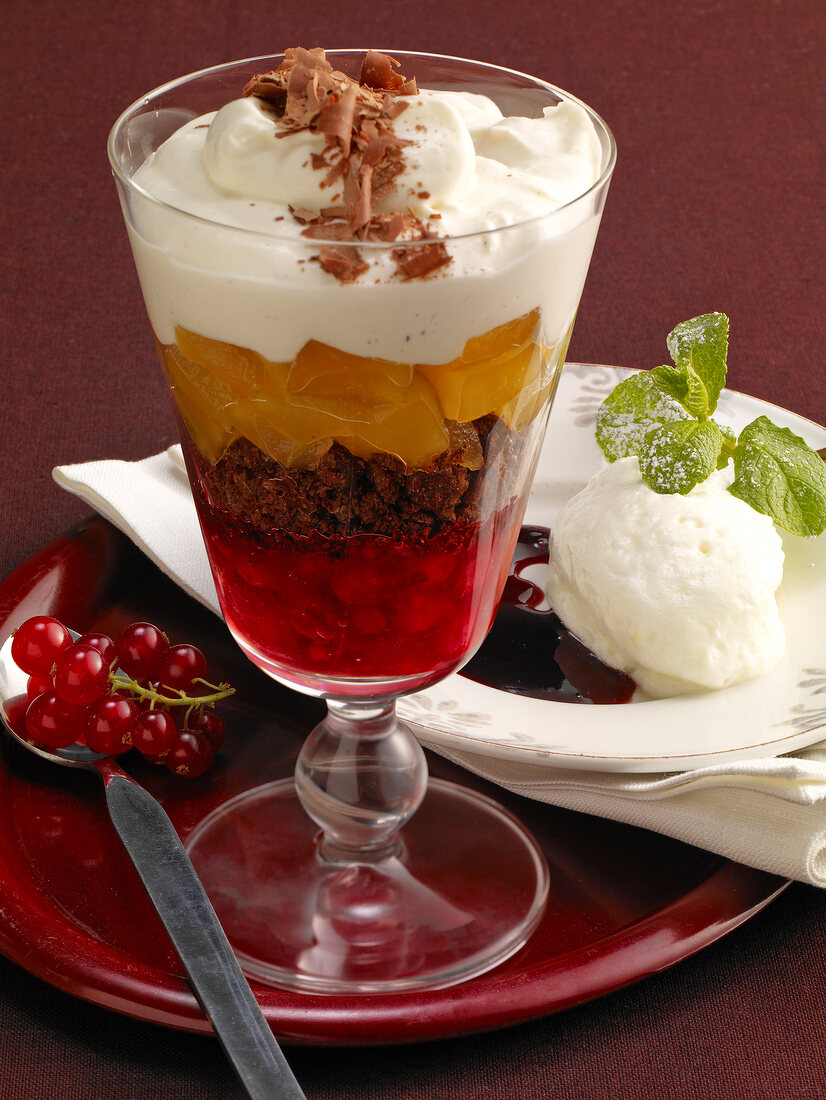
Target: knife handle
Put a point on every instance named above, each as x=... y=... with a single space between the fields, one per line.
x=176 y=892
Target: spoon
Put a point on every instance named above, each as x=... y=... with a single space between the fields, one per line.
x=175 y=890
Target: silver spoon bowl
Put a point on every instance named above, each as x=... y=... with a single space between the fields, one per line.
x=175 y=890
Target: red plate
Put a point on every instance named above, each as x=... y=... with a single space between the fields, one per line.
x=625 y=903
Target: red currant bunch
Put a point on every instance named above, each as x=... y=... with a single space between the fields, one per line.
x=114 y=694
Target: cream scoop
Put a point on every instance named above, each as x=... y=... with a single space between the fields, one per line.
x=677 y=591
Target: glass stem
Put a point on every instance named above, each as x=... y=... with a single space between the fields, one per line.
x=360 y=775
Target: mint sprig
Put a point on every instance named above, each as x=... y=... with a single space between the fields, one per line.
x=699 y=347
x=664 y=417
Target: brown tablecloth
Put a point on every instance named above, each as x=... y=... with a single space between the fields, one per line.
x=717 y=204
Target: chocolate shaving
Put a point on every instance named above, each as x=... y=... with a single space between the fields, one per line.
x=419 y=261
x=337 y=118
x=394 y=107
x=325 y=229
x=358 y=194
x=345 y=263
x=385 y=172
x=388 y=227
x=302 y=215
x=362 y=151
x=376 y=142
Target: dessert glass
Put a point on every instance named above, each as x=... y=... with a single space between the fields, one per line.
x=359 y=512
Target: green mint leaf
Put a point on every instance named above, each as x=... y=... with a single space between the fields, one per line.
x=779 y=475
x=700 y=346
x=663 y=417
x=685 y=386
x=630 y=411
x=678 y=456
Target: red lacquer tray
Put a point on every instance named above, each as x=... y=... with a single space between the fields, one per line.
x=625 y=903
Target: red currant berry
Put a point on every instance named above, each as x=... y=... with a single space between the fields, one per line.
x=207 y=723
x=190 y=755
x=153 y=732
x=37 y=642
x=54 y=722
x=81 y=675
x=101 y=642
x=179 y=666
x=108 y=723
x=140 y=646
x=39 y=685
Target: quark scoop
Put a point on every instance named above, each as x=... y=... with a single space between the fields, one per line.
x=677 y=591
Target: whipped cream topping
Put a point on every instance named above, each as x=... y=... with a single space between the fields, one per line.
x=224 y=231
x=677 y=591
x=465 y=162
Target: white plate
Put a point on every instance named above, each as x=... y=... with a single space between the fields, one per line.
x=774 y=714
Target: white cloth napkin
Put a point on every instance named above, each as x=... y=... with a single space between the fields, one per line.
x=768 y=813
x=151 y=502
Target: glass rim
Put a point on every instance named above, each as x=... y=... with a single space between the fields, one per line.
x=144 y=101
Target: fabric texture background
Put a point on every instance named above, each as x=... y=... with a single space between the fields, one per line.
x=716 y=204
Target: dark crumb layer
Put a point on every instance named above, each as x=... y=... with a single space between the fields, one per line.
x=345 y=495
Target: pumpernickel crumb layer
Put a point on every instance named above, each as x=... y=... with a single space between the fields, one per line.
x=345 y=495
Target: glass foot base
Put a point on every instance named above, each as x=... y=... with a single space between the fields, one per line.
x=464 y=892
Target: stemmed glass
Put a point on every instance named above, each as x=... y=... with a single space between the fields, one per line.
x=360 y=454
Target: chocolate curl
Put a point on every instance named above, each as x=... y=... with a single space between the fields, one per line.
x=377 y=72
x=269 y=87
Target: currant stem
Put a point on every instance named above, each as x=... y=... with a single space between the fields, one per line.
x=222 y=691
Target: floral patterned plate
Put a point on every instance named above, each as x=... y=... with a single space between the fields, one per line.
x=774 y=714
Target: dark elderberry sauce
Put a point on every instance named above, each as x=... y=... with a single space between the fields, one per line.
x=529 y=651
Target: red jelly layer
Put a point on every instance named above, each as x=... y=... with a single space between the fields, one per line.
x=362 y=607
